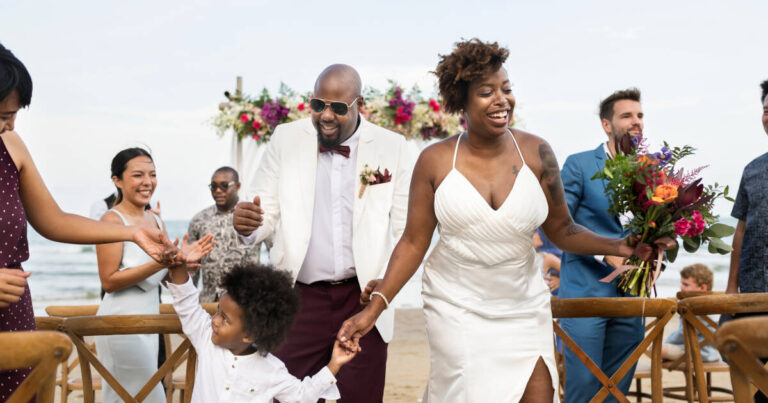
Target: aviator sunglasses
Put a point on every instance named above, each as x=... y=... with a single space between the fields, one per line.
x=339 y=108
x=223 y=186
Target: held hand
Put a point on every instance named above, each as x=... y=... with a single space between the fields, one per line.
x=12 y=284
x=645 y=251
x=248 y=216
x=365 y=296
x=179 y=274
x=354 y=328
x=196 y=250
x=156 y=244
x=615 y=261
x=340 y=356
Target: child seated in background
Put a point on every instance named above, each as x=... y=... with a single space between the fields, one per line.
x=696 y=277
x=234 y=363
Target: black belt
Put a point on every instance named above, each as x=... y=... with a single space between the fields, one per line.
x=331 y=283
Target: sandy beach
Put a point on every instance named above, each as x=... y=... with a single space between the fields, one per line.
x=408 y=363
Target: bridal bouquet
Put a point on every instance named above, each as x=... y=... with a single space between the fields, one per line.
x=663 y=200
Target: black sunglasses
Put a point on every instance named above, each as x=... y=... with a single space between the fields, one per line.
x=339 y=108
x=223 y=186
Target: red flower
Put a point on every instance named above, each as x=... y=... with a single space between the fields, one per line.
x=434 y=105
x=244 y=118
x=652 y=224
x=256 y=125
x=301 y=106
x=255 y=137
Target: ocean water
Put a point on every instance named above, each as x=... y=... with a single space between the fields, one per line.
x=64 y=274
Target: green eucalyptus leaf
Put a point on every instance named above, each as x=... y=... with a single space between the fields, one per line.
x=720 y=230
x=690 y=244
x=719 y=246
x=672 y=253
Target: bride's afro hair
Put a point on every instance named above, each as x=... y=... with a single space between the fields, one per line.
x=268 y=301
x=469 y=61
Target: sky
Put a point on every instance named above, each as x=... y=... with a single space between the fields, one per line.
x=110 y=75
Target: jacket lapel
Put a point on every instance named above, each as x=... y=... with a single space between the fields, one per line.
x=366 y=154
x=305 y=163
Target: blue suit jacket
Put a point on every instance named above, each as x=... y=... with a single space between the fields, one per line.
x=580 y=275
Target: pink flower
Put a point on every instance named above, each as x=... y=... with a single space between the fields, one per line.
x=681 y=226
x=244 y=118
x=301 y=106
x=256 y=137
x=256 y=125
x=698 y=224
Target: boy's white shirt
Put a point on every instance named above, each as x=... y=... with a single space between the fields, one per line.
x=224 y=377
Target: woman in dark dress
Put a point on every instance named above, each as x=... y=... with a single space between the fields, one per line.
x=24 y=197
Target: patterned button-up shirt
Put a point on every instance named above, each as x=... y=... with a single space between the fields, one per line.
x=752 y=207
x=227 y=252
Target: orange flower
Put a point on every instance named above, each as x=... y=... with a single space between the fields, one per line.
x=665 y=193
x=645 y=160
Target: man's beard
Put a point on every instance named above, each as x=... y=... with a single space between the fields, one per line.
x=328 y=143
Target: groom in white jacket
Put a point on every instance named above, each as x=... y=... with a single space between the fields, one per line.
x=332 y=232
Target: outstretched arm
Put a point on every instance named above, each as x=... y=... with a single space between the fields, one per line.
x=560 y=227
x=51 y=222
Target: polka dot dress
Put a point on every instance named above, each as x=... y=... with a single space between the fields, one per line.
x=13 y=251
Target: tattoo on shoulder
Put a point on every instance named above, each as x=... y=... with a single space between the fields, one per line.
x=550 y=175
x=515 y=169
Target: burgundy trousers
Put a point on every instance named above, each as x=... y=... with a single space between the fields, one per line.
x=324 y=307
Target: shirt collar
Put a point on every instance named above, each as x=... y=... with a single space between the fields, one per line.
x=607 y=151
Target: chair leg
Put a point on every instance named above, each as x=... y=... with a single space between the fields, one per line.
x=639 y=390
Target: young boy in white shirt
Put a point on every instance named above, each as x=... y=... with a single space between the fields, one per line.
x=254 y=315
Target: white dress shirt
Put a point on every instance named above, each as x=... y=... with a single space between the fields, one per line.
x=224 y=377
x=329 y=256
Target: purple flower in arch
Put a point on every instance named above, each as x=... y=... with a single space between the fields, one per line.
x=272 y=112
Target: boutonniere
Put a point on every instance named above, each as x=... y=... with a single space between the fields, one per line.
x=372 y=177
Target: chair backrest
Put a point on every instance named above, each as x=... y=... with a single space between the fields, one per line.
x=694 y=311
x=68 y=311
x=662 y=309
x=42 y=350
x=742 y=341
x=79 y=327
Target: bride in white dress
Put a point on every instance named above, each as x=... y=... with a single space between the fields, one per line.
x=131 y=278
x=486 y=305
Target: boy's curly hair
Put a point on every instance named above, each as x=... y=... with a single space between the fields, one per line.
x=469 y=61
x=764 y=87
x=700 y=273
x=268 y=301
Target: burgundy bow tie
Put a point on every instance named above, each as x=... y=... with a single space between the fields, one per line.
x=342 y=150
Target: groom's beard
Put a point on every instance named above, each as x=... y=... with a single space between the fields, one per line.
x=331 y=143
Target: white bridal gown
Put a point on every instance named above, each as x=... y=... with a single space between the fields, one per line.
x=131 y=358
x=485 y=301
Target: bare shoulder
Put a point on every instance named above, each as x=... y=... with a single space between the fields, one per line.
x=536 y=150
x=436 y=160
x=111 y=217
x=16 y=148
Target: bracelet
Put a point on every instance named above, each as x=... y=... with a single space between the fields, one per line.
x=386 y=302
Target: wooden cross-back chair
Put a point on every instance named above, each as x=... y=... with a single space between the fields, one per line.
x=41 y=350
x=742 y=341
x=661 y=309
x=693 y=310
x=79 y=327
x=683 y=364
x=171 y=384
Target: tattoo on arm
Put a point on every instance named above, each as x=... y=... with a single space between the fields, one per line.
x=573 y=228
x=550 y=175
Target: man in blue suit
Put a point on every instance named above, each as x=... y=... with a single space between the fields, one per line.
x=607 y=341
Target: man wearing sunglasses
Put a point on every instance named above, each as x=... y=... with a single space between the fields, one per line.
x=217 y=220
x=331 y=232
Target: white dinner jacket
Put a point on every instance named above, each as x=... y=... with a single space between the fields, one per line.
x=285 y=182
